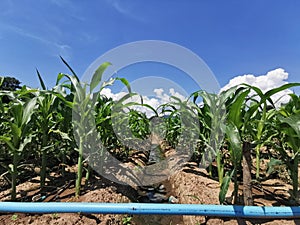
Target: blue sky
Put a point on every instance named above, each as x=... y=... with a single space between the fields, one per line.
x=233 y=37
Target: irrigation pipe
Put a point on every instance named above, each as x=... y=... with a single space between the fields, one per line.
x=149 y=208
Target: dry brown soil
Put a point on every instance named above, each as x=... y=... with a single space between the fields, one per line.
x=190 y=185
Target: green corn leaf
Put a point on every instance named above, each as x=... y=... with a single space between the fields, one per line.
x=283 y=112
x=270 y=114
x=208 y=98
x=28 y=111
x=293 y=121
x=224 y=186
x=125 y=82
x=59 y=77
x=16 y=130
x=195 y=95
x=108 y=83
x=251 y=112
x=76 y=88
x=234 y=139
x=124 y=98
x=25 y=92
x=9 y=94
x=97 y=76
x=41 y=80
x=256 y=89
x=235 y=109
x=70 y=68
x=228 y=96
x=295 y=101
x=267 y=96
x=273 y=91
x=17 y=113
x=61 y=97
x=26 y=141
x=7 y=140
x=151 y=108
x=62 y=134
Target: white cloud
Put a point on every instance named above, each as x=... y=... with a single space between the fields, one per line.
x=159 y=98
x=108 y=93
x=272 y=79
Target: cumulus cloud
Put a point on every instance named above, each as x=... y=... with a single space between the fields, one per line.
x=272 y=79
x=108 y=93
x=159 y=97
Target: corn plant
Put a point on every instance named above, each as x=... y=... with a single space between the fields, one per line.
x=84 y=114
x=231 y=122
x=260 y=107
x=205 y=119
x=235 y=128
x=139 y=124
x=104 y=123
x=180 y=123
x=212 y=117
x=235 y=150
x=66 y=143
x=20 y=124
x=170 y=128
x=130 y=126
x=63 y=118
x=48 y=121
x=291 y=136
x=288 y=128
x=109 y=112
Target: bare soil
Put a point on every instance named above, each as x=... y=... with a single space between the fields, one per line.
x=191 y=185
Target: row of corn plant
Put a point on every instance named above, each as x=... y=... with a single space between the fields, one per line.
x=247 y=125
x=75 y=117
x=38 y=116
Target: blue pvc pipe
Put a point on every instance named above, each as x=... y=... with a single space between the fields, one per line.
x=148 y=208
